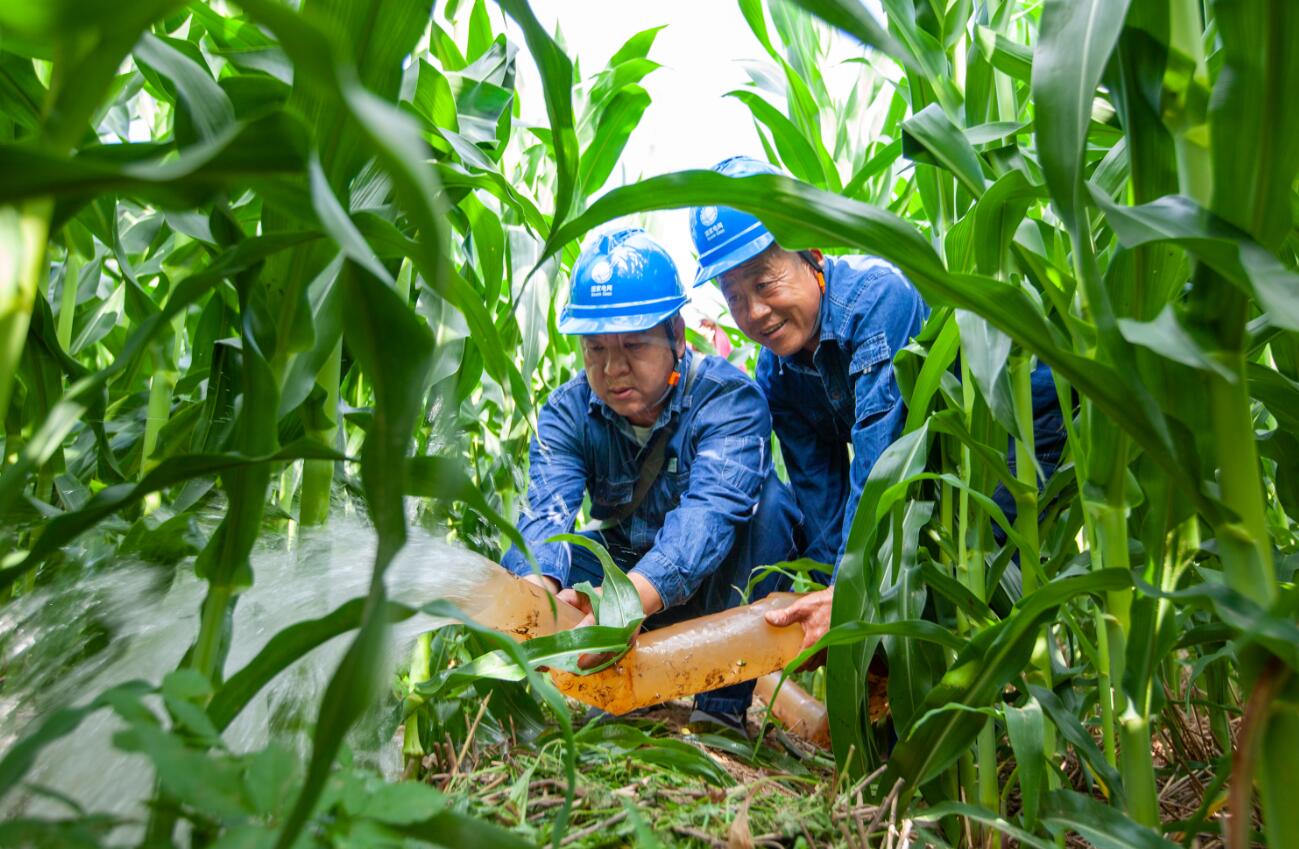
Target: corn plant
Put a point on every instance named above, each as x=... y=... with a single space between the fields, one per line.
x=262 y=263
x=1107 y=189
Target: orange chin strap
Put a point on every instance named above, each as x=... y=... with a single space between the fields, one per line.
x=674 y=378
x=820 y=281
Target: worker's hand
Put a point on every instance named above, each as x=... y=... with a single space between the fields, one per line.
x=546 y=582
x=812 y=611
x=650 y=600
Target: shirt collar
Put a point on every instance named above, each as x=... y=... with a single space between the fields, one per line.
x=676 y=400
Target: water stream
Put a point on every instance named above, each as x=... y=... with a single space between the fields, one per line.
x=63 y=645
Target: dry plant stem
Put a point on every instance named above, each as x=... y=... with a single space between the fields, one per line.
x=469 y=738
x=702 y=836
x=889 y=800
x=590 y=830
x=1245 y=756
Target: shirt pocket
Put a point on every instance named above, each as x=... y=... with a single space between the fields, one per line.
x=677 y=482
x=871 y=371
x=608 y=494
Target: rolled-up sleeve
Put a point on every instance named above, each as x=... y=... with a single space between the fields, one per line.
x=556 y=483
x=731 y=434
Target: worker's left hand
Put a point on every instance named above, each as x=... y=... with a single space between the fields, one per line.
x=650 y=602
x=812 y=611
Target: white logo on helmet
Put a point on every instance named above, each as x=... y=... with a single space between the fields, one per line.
x=601 y=271
x=707 y=215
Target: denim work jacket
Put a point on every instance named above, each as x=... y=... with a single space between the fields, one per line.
x=716 y=461
x=847 y=396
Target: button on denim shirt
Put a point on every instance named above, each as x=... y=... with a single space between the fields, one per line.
x=847 y=396
x=716 y=461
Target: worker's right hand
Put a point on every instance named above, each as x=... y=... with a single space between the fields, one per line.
x=582 y=603
x=812 y=611
x=546 y=582
x=573 y=598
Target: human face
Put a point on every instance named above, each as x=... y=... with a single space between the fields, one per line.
x=630 y=371
x=775 y=299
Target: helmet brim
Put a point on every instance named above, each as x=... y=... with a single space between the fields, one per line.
x=733 y=259
x=578 y=325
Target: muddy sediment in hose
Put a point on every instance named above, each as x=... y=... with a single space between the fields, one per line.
x=681 y=659
x=691 y=657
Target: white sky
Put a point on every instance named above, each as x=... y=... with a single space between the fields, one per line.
x=689 y=123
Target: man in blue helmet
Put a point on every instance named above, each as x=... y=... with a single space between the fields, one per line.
x=672 y=447
x=829 y=328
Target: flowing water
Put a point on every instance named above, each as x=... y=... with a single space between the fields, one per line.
x=62 y=646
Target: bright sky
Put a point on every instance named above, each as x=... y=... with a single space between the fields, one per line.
x=689 y=123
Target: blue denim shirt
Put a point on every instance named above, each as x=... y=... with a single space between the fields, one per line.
x=847 y=396
x=716 y=461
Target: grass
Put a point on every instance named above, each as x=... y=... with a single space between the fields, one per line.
x=632 y=782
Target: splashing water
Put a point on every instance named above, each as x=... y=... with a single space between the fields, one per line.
x=61 y=646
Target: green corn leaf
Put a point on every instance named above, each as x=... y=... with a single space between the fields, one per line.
x=1009 y=57
x=1165 y=336
x=1179 y=220
x=618 y=604
x=1073 y=47
x=958 y=594
x=929 y=136
x=636 y=47
x=21 y=92
x=396 y=350
x=1254 y=166
x=557 y=81
x=1027 y=730
x=1097 y=823
x=997 y=217
x=986 y=350
x=857 y=589
x=243 y=154
x=1077 y=736
x=1277 y=392
x=614 y=126
x=850 y=633
x=937 y=363
x=983 y=815
x=282 y=650
x=206 y=107
x=911 y=668
x=795 y=151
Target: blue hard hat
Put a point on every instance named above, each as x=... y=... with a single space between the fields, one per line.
x=725 y=237
x=623 y=282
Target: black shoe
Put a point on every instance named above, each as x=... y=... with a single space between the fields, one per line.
x=596 y=716
x=724 y=719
